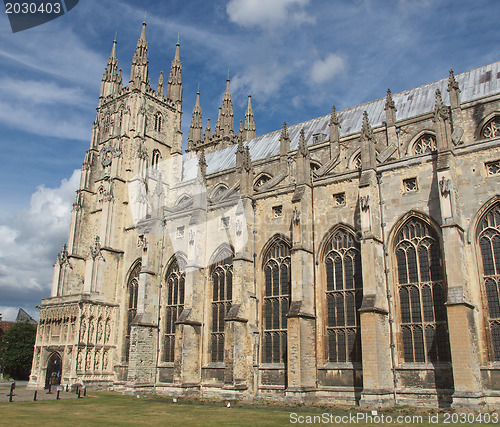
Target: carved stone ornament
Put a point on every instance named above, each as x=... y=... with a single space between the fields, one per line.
x=62 y=257
x=95 y=250
x=142 y=242
x=364 y=202
x=191 y=236
x=444 y=186
x=107 y=156
x=296 y=216
x=239 y=227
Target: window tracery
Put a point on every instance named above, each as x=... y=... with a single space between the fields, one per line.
x=276 y=301
x=174 y=304
x=222 y=285
x=425 y=144
x=262 y=180
x=344 y=294
x=422 y=294
x=492 y=128
x=489 y=244
x=132 y=290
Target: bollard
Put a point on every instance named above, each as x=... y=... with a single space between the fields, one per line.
x=57 y=397
x=85 y=392
x=34 y=397
x=50 y=389
x=67 y=388
x=77 y=390
x=78 y=393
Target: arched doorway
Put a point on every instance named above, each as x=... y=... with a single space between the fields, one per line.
x=54 y=370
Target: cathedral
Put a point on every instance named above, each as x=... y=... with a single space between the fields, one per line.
x=353 y=258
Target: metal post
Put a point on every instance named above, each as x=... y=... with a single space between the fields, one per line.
x=85 y=392
x=50 y=389
x=57 y=397
x=34 y=396
x=78 y=393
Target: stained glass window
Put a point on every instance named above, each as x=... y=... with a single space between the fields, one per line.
x=344 y=294
x=491 y=129
x=173 y=302
x=222 y=289
x=421 y=291
x=276 y=301
x=132 y=291
x=489 y=244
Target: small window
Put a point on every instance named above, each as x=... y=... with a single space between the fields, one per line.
x=155 y=159
x=158 y=120
x=425 y=144
x=277 y=211
x=493 y=168
x=224 y=222
x=339 y=199
x=315 y=166
x=261 y=180
x=492 y=128
x=410 y=184
x=180 y=232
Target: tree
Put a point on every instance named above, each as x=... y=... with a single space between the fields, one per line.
x=16 y=350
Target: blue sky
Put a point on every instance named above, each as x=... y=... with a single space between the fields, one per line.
x=296 y=57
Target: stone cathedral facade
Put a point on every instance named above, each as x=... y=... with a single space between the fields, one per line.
x=353 y=258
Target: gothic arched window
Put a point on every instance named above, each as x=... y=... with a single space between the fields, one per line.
x=492 y=128
x=132 y=294
x=356 y=163
x=277 y=295
x=425 y=144
x=174 y=304
x=344 y=294
x=155 y=158
x=489 y=243
x=422 y=294
x=261 y=180
x=221 y=273
x=158 y=120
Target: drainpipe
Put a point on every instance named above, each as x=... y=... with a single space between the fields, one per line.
x=388 y=291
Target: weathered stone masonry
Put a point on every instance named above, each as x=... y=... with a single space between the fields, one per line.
x=351 y=258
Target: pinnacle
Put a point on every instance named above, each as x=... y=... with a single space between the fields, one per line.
x=143 y=32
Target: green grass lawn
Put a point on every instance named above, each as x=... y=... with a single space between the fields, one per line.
x=114 y=409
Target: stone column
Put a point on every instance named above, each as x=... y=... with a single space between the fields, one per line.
x=462 y=328
x=301 y=321
x=240 y=320
x=188 y=332
x=378 y=383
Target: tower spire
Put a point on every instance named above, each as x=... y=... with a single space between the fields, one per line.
x=174 y=86
x=196 y=128
x=139 y=77
x=111 y=81
x=227 y=115
x=249 y=127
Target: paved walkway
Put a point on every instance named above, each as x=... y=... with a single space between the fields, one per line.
x=21 y=394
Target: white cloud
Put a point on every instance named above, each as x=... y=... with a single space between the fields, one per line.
x=31 y=241
x=261 y=80
x=264 y=13
x=325 y=69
